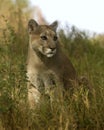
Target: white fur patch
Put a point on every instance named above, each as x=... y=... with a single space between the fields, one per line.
x=50 y=53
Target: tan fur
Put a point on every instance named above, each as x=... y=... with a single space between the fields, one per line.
x=47 y=65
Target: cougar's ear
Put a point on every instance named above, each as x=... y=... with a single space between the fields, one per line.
x=32 y=25
x=54 y=25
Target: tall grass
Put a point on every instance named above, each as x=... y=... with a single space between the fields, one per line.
x=80 y=110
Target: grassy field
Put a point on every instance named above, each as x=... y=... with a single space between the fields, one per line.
x=81 y=110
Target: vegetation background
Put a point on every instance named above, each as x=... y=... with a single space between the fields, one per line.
x=82 y=110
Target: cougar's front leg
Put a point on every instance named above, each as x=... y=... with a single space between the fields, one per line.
x=33 y=95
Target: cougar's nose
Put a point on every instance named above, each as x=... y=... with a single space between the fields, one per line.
x=52 y=48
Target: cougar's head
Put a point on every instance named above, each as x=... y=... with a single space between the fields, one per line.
x=43 y=38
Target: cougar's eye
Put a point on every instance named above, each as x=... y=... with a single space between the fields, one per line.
x=43 y=37
x=55 y=38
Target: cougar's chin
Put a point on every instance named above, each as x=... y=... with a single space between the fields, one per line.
x=50 y=55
